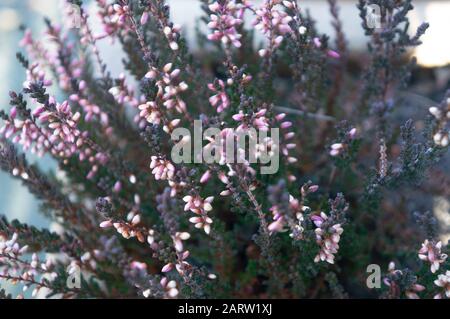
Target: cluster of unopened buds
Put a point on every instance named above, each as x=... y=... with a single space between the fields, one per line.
x=169 y=287
x=431 y=252
x=337 y=149
x=178 y=239
x=128 y=229
x=327 y=237
x=201 y=207
x=181 y=265
x=286 y=145
x=122 y=11
x=442 y=116
x=169 y=87
x=391 y=281
x=29 y=135
x=443 y=281
x=172 y=34
x=273 y=23
x=225 y=18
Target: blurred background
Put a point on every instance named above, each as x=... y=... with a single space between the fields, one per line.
x=16 y=202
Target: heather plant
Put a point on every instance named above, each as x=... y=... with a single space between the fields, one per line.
x=353 y=185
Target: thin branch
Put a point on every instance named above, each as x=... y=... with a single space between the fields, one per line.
x=318 y=117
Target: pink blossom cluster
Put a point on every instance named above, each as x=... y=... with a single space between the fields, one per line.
x=122 y=9
x=61 y=137
x=327 y=237
x=30 y=136
x=296 y=213
x=61 y=121
x=36 y=74
x=180 y=264
x=67 y=139
x=443 y=281
x=178 y=239
x=90 y=109
x=15 y=268
x=111 y=21
x=131 y=228
x=431 y=252
x=269 y=18
x=51 y=59
x=171 y=31
x=200 y=207
x=65 y=74
x=123 y=93
x=225 y=18
x=273 y=23
x=260 y=121
x=150 y=112
x=11 y=247
x=257 y=120
x=410 y=292
x=220 y=100
x=65 y=70
x=34 y=48
x=162 y=168
x=169 y=86
x=286 y=145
